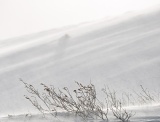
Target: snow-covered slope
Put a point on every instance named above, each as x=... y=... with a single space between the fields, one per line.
x=121 y=54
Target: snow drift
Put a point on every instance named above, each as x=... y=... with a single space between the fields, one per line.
x=121 y=53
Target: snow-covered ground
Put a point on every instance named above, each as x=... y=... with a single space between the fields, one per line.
x=143 y=114
x=121 y=52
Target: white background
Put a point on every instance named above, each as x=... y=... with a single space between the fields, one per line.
x=20 y=17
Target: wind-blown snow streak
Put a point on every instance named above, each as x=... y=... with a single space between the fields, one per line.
x=123 y=55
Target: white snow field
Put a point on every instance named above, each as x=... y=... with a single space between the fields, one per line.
x=123 y=53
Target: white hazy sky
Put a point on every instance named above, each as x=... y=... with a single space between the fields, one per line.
x=21 y=17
